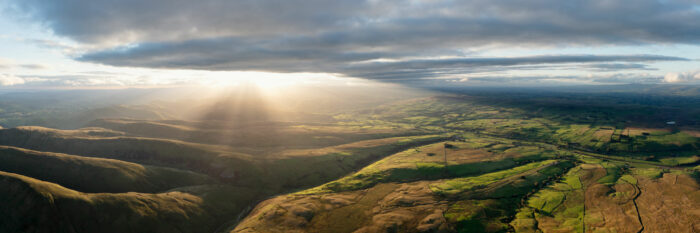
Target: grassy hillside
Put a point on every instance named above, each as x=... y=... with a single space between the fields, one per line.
x=604 y=198
x=94 y=175
x=472 y=156
x=542 y=196
x=262 y=136
x=32 y=205
x=489 y=184
x=70 y=117
x=410 y=206
x=214 y=161
x=219 y=206
x=306 y=168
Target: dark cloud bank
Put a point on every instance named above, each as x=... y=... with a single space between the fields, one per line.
x=369 y=39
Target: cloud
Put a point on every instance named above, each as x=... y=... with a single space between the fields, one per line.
x=127 y=21
x=9 y=64
x=71 y=80
x=55 y=45
x=489 y=79
x=626 y=78
x=32 y=66
x=372 y=39
x=301 y=55
x=281 y=55
x=98 y=79
x=10 y=80
x=438 y=67
x=372 y=21
x=683 y=77
x=619 y=66
x=304 y=56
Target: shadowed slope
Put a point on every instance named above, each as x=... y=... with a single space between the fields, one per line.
x=95 y=174
x=211 y=160
x=216 y=161
x=31 y=205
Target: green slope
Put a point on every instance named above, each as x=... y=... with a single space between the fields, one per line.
x=215 y=161
x=31 y=205
x=95 y=174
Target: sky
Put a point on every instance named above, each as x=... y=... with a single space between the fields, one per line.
x=160 y=43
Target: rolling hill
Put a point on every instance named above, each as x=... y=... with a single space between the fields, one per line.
x=96 y=175
x=32 y=205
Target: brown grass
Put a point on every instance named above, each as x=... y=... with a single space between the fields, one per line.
x=387 y=207
x=670 y=204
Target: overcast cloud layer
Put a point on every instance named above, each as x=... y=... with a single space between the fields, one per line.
x=369 y=39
